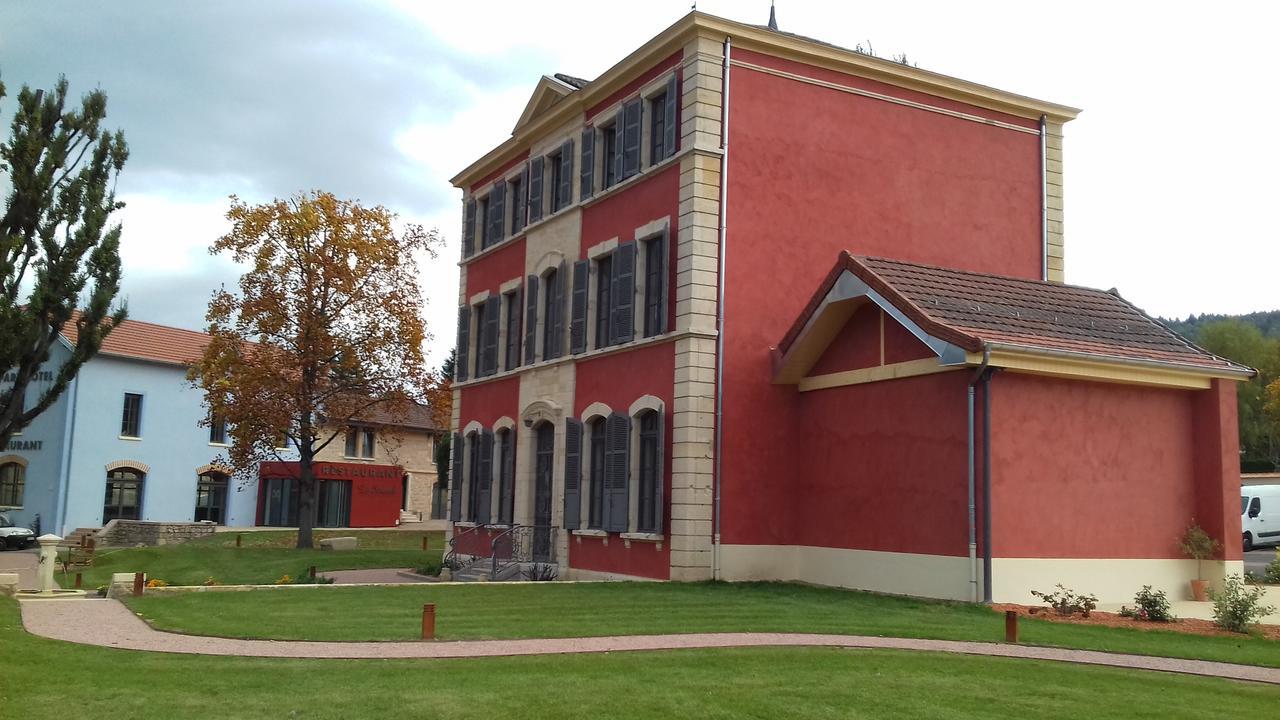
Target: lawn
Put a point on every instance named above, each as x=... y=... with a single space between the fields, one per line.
x=761 y=683
x=525 y=610
x=263 y=558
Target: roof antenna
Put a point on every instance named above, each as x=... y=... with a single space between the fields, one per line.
x=773 y=18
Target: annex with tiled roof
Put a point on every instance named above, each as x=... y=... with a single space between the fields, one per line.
x=977 y=310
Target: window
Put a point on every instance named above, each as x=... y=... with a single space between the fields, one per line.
x=124 y=495
x=131 y=418
x=353 y=442
x=648 y=502
x=630 y=150
x=517 y=203
x=217 y=430
x=496 y=217
x=488 y=322
x=511 y=303
x=469 y=229
x=370 y=438
x=482 y=222
x=211 y=498
x=604 y=300
x=506 y=476
x=552 y=301
x=479 y=313
x=13 y=481
x=595 y=482
x=361 y=441
x=608 y=154
x=657 y=128
x=655 y=286
x=557 y=177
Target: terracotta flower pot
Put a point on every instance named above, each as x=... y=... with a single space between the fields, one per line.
x=1200 y=590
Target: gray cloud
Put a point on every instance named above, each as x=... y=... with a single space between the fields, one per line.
x=260 y=98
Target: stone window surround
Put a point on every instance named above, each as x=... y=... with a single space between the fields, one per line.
x=645 y=172
x=590 y=413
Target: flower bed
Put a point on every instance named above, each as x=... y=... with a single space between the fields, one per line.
x=1190 y=626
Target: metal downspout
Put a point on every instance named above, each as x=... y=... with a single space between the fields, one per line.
x=1044 y=198
x=986 y=486
x=720 y=286
x=972 y=517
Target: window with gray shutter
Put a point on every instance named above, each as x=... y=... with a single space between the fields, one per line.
x=624 y=292
x=469 y=230
x=630 y=139
x=531 y=320
x=586 y=173
x=497 y=214
x=519 y=201
x=649 y=492
x=478 y=357
x=604 y=301
x=578 y=313
x=511 y=354
x=595 y=478
x=535 y=189
x=565 y=189
x=655 y=286
x=616 y=472
x=610 y=157
x=553 y=313
x=572 y=473
x=670 y=118
x=506 y=476
x=456 y=448
x=484 y=485
x=492 y=320
x=464 y=343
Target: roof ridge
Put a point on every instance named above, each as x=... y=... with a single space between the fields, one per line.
x=977 y=273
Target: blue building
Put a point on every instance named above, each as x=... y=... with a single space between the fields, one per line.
x=124 y=441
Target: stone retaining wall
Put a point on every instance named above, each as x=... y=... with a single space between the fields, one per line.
x=127 y=533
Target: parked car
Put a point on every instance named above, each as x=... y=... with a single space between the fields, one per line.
x=1260 y=515
x=12 y=536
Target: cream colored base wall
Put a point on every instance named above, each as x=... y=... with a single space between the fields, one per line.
x=935 y=576
x=1112 y=581
x=593 y=576
x=941 y=576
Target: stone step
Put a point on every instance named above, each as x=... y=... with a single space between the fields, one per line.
x=74 y=538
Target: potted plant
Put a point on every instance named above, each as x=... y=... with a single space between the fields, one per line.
x=1197 y=544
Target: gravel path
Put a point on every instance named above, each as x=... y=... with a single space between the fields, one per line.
x=110 y=624
x=22 y=562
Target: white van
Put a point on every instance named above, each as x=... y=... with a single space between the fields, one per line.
x=1260 y=515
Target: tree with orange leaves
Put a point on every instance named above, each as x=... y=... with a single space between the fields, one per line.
x=327 y=326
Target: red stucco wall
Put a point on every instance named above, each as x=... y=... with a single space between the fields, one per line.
x=499 y=266
x=1097 y=470
x=852 y=173
x=642 y=559
x=486 y=402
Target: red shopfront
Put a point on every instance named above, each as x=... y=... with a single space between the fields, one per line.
x=350 y=494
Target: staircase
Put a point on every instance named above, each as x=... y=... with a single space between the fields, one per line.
x=77 y=537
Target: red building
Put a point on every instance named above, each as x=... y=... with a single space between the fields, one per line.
x=682 y=353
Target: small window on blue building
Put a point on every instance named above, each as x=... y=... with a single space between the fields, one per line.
x=131 y=418
x=217 y=430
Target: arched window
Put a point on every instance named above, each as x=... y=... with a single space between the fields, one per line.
x=124 y=495
x=506 y=463
x=13 y=481
x=649 y=491
x=211 y=497
x=595 y=482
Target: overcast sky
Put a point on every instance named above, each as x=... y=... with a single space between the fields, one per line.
x=1170 y=171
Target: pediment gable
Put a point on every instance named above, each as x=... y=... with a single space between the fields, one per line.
x=548 y=92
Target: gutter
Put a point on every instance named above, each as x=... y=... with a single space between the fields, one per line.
x=972 y=515
x=717 y=479
x=1113 y=360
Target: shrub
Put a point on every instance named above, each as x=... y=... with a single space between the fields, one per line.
x=1067 y=602
x=102 y=590
x=541 y=572
x=156 y=583
x=1238 y=606
x=1153 y=605
x=431 y=569
x=1272 y=571
x=304 y=578
x=284 y=580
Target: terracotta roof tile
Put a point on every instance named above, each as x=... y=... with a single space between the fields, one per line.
x=147 y=341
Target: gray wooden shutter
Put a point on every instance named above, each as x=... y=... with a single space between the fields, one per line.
x=617 y=470
x=464 y=343
x=578 y=313
x=484 y=488
x=659 y=481
x=506 y=503
x=531 y=320
x=572 y=473
x=630 y=139
x=623 y=327
x=520 y=201
x=497 y=214
x=455 y=482
x=587 y=172
x=469 y=230
x=566 y=174
x=558 y=311
x=489 y=335
x=669 y=133
x=511 y=354
x=655 y=286
x=535 y=189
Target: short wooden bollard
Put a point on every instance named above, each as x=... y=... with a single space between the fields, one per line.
x=429 y=621
x=1010 y=626
x=424 y=542
x=79 y=580
x=311 y=572
x=137 y=583
x=237 y=539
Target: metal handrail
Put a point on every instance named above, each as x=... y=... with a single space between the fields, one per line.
x=515 y=545
x=452 y=559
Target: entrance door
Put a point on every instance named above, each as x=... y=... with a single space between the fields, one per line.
x=280 y=507
x=335 y=504
x=543 y=467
